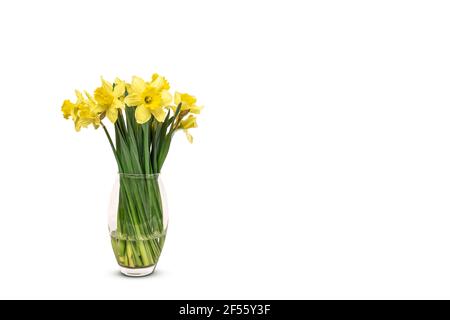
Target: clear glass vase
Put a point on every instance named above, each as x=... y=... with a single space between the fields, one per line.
x=137 y=222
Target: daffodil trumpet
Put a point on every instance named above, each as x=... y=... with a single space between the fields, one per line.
x=145 y=116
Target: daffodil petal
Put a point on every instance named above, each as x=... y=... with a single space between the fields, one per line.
x=133 y=99
x=157 y=83
x=195 y=109
x=166 y=97
x=112 y=114
x=138 y=84
x=188 y=99
x=90 y=97
x=159 y=114
x=117 y=104
x=107 y=85
x=119 y=88
x=190 y=122
x=189 y=136
x=67 y=108
x=177 y=98
x=142 y=114
x=79 y=95
x=99 y=108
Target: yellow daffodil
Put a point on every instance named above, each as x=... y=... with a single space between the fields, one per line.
x=110 y=98
x=190 y=122
x=149 y=98
x=86 y=118
x=187 y=102
x=86 y=113
x=82 y=112
x=161 y=82
x=68 y=109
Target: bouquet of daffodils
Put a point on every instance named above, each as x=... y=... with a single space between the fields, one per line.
x=145 y=116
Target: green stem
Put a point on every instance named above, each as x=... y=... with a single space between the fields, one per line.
x=146 y=148
x=111 y=144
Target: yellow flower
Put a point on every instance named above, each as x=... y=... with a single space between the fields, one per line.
x=82 y=112
x=161 y=81
x=110 y=98
x=190 y=122
x=187 y=102
x=86 y=118
x=68 y=109
x=86 y=114
x=149 y=98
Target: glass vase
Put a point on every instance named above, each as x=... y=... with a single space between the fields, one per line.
x=137 y=222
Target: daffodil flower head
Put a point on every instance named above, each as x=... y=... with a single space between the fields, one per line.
x=188 y=102
x=149 y=98
x=68 y=109
x=189 y=123
x=81 y=112
x=86 y=112
x=110 y=99
x=160 y=82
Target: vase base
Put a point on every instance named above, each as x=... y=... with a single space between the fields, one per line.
x=137 y=272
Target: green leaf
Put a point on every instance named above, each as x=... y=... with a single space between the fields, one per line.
x=132 y=143
x=145 y=130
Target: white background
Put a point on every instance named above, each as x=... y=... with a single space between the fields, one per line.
x=320 y=168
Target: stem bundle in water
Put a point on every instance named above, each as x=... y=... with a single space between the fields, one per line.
x=140 y=234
